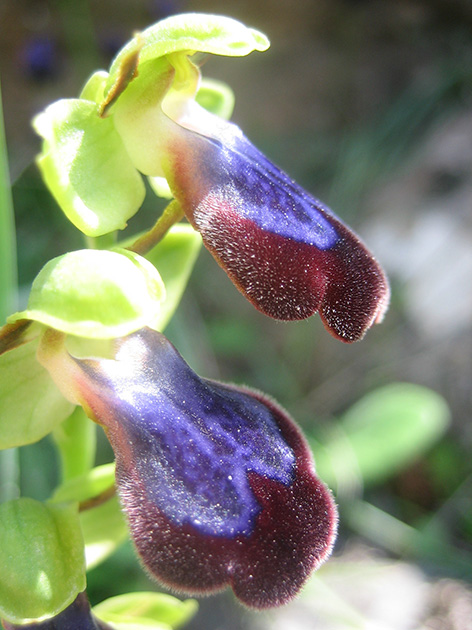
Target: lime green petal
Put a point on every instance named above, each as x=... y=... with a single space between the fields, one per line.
x=174 y=257
x=98 y=294
x=86 y=167
x=192 y=32
x=216 y=97
x=42 y=559
x=94 y=89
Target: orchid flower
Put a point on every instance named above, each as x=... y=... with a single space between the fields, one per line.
x=217 y=481
x=283 y=249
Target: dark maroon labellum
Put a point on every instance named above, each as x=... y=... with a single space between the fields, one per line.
x=217 y=481
x=285 y=250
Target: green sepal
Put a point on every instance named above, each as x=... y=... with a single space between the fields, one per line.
x=76 y=440
x=42 y=559
x=97 y=294
x=85 y=165
x=138 y=611
x=31 y=405
x=189 y=32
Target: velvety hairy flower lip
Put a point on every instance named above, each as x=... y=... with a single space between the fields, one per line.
x=285 y=250
x=217 y=481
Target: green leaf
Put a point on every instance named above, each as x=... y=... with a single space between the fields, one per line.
x=42 y=559
x=104 y=529
x=192 y=32
x=391 y=427
x=95 y=293
x=31 y=405
x=380 y=435
x=137 y=611
x=216 y=97
x=76 y=440
x=85 y=165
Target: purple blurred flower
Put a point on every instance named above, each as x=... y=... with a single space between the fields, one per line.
x=40 y=58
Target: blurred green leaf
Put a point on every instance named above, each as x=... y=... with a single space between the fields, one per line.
x=8 y=271
x=135 y=611
x=103 y=525
x=392 y=426
x=41 y=559
x=381 y=434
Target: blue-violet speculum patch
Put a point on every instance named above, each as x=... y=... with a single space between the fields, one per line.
x=217 y=481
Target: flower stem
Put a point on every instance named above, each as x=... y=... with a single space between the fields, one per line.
x=106 y=241
x=9 y=459
x=8 y=277
x=76 y=440
x=172 y=213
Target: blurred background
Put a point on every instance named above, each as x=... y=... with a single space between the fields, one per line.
x=368 y=104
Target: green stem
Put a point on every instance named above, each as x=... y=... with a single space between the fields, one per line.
x=76 y=440
x=106 y=241
x=8 y=272
x=172 y=213
x=9 y=460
